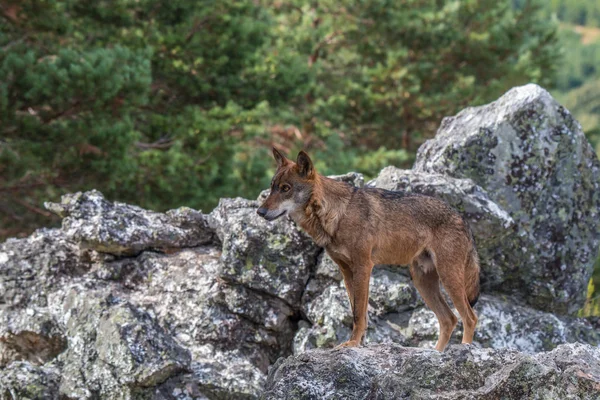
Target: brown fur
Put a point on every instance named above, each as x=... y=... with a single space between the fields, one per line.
x=362 y=227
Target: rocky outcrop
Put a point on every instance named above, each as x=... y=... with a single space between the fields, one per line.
x=126 y=303
x=123 y=229
x=391 y=371
x=534 y=161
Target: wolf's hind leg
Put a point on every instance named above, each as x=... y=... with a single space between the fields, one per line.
x=427 y=282
x=452 y=277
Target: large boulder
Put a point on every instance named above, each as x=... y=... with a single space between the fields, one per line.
x=534 y=161
x=389 y=371
x=232 y=332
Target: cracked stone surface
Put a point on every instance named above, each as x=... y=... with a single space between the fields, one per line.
x=390 y=371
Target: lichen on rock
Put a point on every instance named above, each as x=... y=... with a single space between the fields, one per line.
x=535 y=162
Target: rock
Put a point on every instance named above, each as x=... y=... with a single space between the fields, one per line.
x=22 y=380
x=122 y=229
x=535 y=162
x=30 y=267
x=506 y=324
x=389 y=371
x=353 y=178
x=328 y=269
x=186 y=294
x=273 y=257
x=114 y=347
x=126 y=303
x=31 y=334
x=489 y=223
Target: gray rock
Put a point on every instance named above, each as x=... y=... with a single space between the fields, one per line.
x=185 y=294
x=273 y=257
x=114 y=347
x=535 y=162
x=30 y=267
x=353 y=178
x=389 y=371
x=503 y=323
x=31 y=334
x=22 y=380
x=490 y=223
x=328 y=269
x=122 y=229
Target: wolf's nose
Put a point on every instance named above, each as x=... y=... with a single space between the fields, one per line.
x=262 y=211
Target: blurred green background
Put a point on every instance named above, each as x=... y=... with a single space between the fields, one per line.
x=166 y=104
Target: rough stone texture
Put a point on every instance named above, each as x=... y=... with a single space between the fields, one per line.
x=232 y=332
x=505 y=324
x=327 y=308
x=30 y=267
x=273 y=257
x=122 y=229
x=534 y=161
x=22 y=380
x=571 y=371
x=114 y=347
x=490 y=223
x=33 y=335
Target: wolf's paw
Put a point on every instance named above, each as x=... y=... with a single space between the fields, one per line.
x=349 y=343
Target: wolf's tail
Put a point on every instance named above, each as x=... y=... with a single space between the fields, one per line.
x=472 y=277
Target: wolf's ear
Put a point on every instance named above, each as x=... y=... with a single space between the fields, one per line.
x=305 y=165
x=280 y=158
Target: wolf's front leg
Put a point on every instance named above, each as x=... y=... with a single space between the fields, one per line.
x=360 y=302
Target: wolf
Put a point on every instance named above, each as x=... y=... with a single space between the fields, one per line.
x=361 y=227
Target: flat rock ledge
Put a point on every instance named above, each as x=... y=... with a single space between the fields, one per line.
x=390 y=371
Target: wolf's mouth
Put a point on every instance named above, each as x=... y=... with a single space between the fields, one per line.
x=270 y=218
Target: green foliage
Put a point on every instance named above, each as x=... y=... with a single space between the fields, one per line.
x=386 y=72
x=166 y=104
x=581 y=61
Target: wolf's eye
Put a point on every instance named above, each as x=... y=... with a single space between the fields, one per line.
x=285 y=188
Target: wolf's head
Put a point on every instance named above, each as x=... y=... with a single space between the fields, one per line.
x=291 y=186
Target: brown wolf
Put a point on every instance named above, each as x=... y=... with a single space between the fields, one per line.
x=362 y=227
